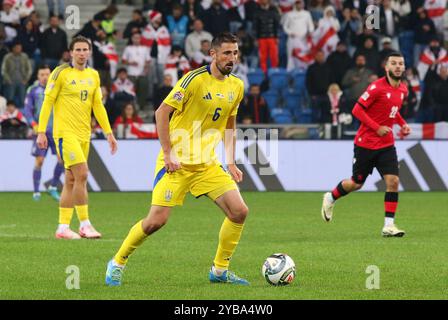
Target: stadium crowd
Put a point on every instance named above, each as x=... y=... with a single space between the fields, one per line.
x=302 y=61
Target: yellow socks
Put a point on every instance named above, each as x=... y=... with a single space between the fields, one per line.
x=82 y=212
x=229 y=236
x=134 y=239
x=65 y=215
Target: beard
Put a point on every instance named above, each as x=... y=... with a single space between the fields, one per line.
x=225 y=71
x=394 y=77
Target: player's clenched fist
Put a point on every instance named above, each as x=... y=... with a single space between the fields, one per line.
x=171 y=163
x=383 y=130
x=42 y=142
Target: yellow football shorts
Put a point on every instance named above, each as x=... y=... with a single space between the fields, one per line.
x=72 y=150
x=170 y=188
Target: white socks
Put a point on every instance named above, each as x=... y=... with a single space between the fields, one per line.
x=84 y=223
x=388 y=221
x=62 y=227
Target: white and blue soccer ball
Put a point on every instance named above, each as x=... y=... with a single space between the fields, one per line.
x=279 y=269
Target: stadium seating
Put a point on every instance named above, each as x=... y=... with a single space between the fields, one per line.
x=278 y=78
x=272 y=99
x=281 y=116
x=255 y=76
x=298 y=78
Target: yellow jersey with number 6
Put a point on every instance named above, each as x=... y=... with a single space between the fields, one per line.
x=202 y=104
x=74 y=94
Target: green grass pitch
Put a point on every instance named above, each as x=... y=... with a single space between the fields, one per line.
x=331 y=258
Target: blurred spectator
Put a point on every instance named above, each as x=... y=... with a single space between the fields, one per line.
x=298 y=25
x=176 y=64
x=286 y=6
x=316 y=8
x=403 y=8
x=17 y=71
x=137 y=59
x=359 y=5
x=327 y=29
x=107 y=21
x=128 y=121
x=177 y=24
x=436 y=10
x=440 y=94
x=334 y=106
x=389 y=23
x=163 y=91
x=409 y=103
x=266 y=25
x=66 y=58
x=13 y=123
x=424 y=30
x=123 y=88
x=242 y=15
x=351 y=28
x=29 y=38
x=318 y=78
x=51 y=8
x=113 y=109
x=91 y=28
x=373 y=60
x=137 y=23
x=157 y=38
x=356 y=80
x=241 y=70
x=101 y=61
x=24 y=8
x=431 y=57
x=37 y=25
x=3 y=52
x=254 y=108
x=339 y=62
x=246 y=46
x=215 y=18
x=194 y=39
x=53 y=43
x=386 y=44
x=10 y=19
x=445 y=29
x=192 y=9
x=165 y=7
x=202 y=56
x=414 y=84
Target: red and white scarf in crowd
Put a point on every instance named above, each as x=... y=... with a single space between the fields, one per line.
x=174 y=64
x=334 y=102
x=163 y=39
x=427 y=58
x=108 y=49
x=435 y=10
x=123 y=86
x=15 y=115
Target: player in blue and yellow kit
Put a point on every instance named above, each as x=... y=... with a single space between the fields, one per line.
x=33 y=104
x=74 y=91
x=203 y=104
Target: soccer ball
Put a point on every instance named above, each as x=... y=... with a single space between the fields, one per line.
x=279 y=269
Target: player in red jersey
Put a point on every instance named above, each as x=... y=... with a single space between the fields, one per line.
x=377 y=109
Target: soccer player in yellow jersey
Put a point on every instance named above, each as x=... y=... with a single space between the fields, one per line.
x=74 y=91
x=203 y=104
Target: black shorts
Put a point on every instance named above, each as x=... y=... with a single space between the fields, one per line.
x=365 y=160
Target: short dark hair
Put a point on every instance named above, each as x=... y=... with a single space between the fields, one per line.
x=11 y=102
x=79 y=39
x=394 y=54
x=43 y=66
x=120 y=70
x=224 y=37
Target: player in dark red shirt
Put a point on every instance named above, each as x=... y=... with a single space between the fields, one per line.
x=377 y=109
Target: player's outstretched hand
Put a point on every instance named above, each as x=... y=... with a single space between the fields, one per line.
x=113 y=145
x=236 y=173
x=171 y=163
x=405 y=130
x=383 y=130
x=42 y=141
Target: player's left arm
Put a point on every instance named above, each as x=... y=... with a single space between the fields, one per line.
x=101 y=116
x=230 y=140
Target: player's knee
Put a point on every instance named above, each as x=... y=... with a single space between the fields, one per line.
x=82 y=176
x=393 y=183
x=357 y=186
x=39 y=163
x=240 y=213
x=152 y=226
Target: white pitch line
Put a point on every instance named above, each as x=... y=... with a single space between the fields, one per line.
x=7 y=226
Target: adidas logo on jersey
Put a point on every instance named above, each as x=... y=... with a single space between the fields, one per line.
x=208 y=96
x=73 y=82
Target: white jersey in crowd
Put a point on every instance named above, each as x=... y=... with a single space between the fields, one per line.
x=11 y=17
x=193 y=42
x=24 y=7
x=139 y=54
x=163 y=38
x=199 y=58
x=297 y=25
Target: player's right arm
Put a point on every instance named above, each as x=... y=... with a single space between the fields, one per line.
x=51 y=93
x=163 y=129
x=364 y=103
x=29 y=109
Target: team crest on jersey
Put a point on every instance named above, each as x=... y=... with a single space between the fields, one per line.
x=373 y=86
x=168 y=195
x=178 y=96
x=220 y=95
x=231 y=95
x=365 y=96
x=72 y=156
